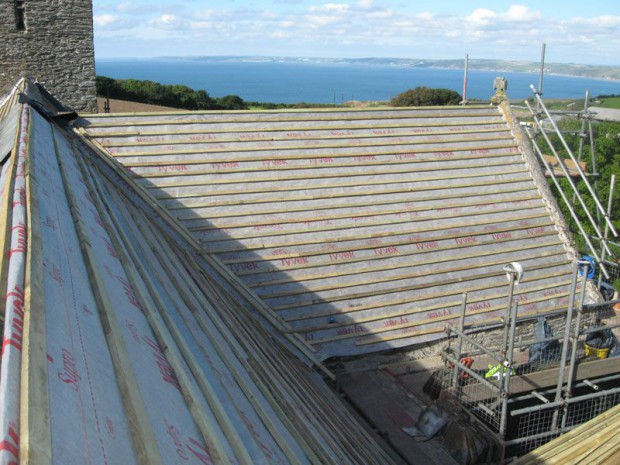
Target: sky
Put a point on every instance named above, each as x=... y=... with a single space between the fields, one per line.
x=583 y=32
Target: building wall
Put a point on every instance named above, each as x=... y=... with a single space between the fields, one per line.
x=56 y=48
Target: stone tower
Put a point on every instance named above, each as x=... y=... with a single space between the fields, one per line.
x=52 y=41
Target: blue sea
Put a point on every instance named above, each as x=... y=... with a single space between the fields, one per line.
x=286 y=82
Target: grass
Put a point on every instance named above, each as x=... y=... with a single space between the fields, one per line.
x=609 y=102
x=577 y=104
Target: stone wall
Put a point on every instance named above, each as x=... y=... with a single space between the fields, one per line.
x=56 y=48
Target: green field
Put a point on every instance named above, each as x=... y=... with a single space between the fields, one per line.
x=609 y=102
x=577 y=104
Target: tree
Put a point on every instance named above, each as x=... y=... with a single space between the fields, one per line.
x=231 y=102
x=607 y=150
x=424 y=96
x=177 y=96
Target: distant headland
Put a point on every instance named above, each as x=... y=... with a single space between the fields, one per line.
x=565 y=69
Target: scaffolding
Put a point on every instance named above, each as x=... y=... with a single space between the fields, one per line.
x=545 y=129
x=538 y=383
x=534 y=377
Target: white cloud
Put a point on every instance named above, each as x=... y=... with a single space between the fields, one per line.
x=481 y=16
x=279 y=34
x=333 y=7
x=358 y=28
x=605 y=22
x=168 y=21
x=125 y=7
x=366 y=4
x=105 y=20
x=518 y=13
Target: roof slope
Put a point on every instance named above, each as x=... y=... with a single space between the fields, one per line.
x=360 y=229
x=117 y=333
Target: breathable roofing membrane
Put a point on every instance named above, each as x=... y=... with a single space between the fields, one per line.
x=360 y=229
x=121 y=345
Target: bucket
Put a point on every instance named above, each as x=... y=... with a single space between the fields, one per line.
x=600 y=353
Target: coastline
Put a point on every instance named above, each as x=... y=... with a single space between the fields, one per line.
x=502 y=66
x=336 y=81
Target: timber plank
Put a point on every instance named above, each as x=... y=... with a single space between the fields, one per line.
x=584 y=369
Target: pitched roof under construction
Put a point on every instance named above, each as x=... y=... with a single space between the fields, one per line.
x=359 y=230
x=122 y=344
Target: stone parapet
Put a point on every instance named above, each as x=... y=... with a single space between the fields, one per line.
x=56 y=48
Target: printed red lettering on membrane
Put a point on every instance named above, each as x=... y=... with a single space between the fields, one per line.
x=252 y=429
x=16 y=329
x=167 y=373
x=109 y=424
x=240 y=267
x=49 y=222
x=251 y=136
x=298 y=135
x=365 y=158
x=56 y=275
x=439 y=313
x=386 y=250
x=311 y=223
x=108 y=270
x=275 y=162
x=502 y=235
x=551 y=292
x=225 y=164
x=199 y=451
x=323 y=160
x=395 y=322
x=131 y=297
x=86 y=309
x=342 y=133
x=175 y=435
x=355 y=329
x=20 y=195
x=110 y=248
x=262 y=227
x=363 y=219
x=22 y=239
x=427 y=245
x=200 y=138
x=98 y=219
x=465 y=240
x=406 y=156
x=337 y=256
x=294 y=261
x=134 y=331
x=480 y=306
x=69 y=374
x=10 y=444
x=534 y=231
x=172 y=168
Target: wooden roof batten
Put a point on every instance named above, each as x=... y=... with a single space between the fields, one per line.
x=119 y=332
x=346 y=193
